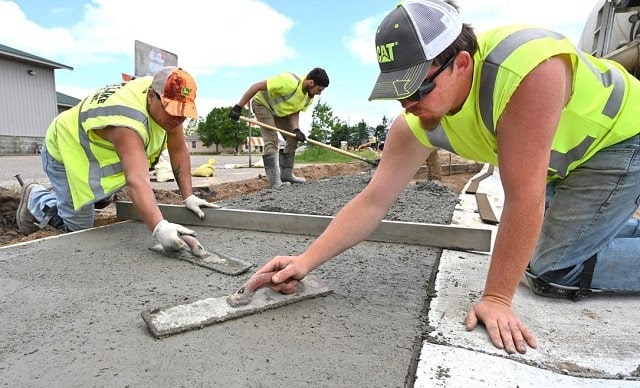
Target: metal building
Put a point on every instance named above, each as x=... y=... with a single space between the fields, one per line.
x=28 y=100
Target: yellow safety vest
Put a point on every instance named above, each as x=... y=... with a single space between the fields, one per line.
x=602 y=111
x=93 y=167
x=284 y=95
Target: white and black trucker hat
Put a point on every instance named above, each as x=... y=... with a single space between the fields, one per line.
x=407 y=41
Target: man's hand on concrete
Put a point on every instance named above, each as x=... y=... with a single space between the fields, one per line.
x=503 y=325
x=194 y=204
x=289 y=273
x=168 y=235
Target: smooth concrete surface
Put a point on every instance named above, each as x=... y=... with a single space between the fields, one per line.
x=457 y=367
x=71 y=315
x=591 y=343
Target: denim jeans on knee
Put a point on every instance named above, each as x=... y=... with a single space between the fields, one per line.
x=59 y=197
x=589 y=213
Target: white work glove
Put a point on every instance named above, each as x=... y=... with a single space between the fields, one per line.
x=194 y=204
x=168 y=235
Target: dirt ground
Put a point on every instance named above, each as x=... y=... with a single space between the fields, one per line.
x=9 y=199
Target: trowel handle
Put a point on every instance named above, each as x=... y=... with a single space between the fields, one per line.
x=256 y=282
x=245 y=293
x=194 y=245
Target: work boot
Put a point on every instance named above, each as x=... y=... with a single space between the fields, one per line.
x=53 y=220
x=286 y=165
x=26 y=221
x=104 y=202
x=273 y=170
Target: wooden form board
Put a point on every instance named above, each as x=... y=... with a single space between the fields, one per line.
x=435 y=235
x=486 y=211
x=475 y=182
x=484 y=206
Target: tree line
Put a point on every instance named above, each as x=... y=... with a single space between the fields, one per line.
x=217 y=129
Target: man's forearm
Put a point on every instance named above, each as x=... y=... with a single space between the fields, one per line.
x=145 y=203
x=182 y=173
x=294 y=120
x=515 y=243
x=180 y=163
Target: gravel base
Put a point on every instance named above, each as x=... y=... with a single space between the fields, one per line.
x=426 y=201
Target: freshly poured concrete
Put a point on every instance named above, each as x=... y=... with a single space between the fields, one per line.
x=71 y=315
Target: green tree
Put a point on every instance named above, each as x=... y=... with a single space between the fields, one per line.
x=218 y=129
x=322 y=123
x=339 y=134
x=354 y=136
x=360 y=133
x=191 y=125
x=381 y=131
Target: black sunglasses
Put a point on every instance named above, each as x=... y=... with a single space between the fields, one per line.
x=428 y=84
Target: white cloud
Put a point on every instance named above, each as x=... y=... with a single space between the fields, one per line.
x=18 y=32
x=361 y=41
x=566 y=16
x=209 y=36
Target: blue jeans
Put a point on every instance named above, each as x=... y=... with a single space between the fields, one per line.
x=589 y=213
x=59 y=197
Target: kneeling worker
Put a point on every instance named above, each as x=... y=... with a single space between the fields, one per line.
x=109 y=141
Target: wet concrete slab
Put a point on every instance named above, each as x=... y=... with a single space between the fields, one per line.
x=71 y=314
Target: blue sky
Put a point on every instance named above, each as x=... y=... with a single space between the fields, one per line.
x=229 y=45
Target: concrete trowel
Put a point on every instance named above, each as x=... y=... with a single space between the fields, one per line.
x=196 y=254
x=251 y=298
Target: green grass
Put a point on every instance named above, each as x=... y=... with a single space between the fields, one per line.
x=315 y=154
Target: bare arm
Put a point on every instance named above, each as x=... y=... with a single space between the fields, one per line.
x=403 y=156
x=525 y=134
x=252 y=91
x=180 y=161
x=294 y=120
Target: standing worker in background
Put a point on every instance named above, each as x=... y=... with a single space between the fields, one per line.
x=277 y=102
x=563 y=128
x=109 y=141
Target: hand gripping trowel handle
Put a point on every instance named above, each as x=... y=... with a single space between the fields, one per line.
x=244 y=294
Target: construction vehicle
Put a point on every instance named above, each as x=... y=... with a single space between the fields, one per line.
x=612 y=31
x=372 y=143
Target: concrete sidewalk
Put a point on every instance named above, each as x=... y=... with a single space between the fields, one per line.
x=590 y=343
x=29 y=167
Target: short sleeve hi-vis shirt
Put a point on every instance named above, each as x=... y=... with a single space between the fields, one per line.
x=601 y=112
x=284 y=95
x=93 y=167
